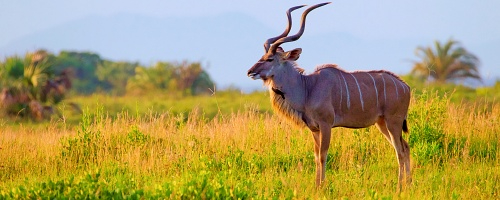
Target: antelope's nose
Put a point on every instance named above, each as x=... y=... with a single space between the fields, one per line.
x=253 y=75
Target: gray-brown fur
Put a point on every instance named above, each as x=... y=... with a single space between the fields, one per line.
x=284 y=109
x=331 y=97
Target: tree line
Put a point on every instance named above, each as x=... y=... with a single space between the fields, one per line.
x=31 y=85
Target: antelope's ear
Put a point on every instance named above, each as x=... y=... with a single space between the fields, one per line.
x=293 y=54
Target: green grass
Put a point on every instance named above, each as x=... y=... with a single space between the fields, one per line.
x=220 y=103
x=230 y=146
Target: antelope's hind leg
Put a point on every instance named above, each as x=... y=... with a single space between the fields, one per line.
x=383 y=128
x=392 y=131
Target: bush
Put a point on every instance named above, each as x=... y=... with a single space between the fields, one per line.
x=427 y=116
x=84 y=148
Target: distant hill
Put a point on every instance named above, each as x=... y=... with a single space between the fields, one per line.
x=228 y=44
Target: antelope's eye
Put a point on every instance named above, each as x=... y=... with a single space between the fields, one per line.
x=269 y=59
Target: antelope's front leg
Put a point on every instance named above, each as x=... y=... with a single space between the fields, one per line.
x=325 y=134
x=321 y=145
x=317 y=157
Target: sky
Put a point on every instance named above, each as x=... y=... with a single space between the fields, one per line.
x=473 y=23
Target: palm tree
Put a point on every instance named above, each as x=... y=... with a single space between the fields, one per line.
x=27 y=83
x=447 y=62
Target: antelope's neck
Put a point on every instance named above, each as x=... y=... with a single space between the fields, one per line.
x=291 y=87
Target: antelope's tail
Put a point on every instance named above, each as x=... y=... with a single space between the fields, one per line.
x=405 y=126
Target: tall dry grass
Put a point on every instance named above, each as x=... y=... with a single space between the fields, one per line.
x=250 y=154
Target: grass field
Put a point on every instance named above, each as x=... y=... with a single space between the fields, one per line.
x=230 y=145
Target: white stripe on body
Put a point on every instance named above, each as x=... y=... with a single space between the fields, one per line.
x=396 y=86
x=375 y=86
x=403 y=86
x=341 y=90
x=385 y=95
x=347 y=92
x=360 y=94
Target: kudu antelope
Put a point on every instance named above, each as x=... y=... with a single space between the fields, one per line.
x=331 y=97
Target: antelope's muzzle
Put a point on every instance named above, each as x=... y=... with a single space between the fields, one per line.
x=253 y=75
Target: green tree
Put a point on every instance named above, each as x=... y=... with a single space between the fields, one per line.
x=114 y=75
x=446 y=62
x=202 y=84
x=157 y=77
x=22 y=84
x=11 y=71
x=193 y=79
x=26 y=75
x=176 y=78
x=84 y=67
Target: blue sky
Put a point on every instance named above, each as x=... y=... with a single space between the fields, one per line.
x=467 y=20
x=473 y=23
